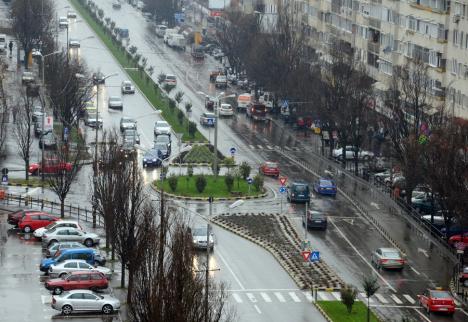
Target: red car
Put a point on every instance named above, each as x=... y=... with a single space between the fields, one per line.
x=458 y=238
x=437 y=301
x=51 y=166
x=269 y=168
x=78 y=280
x=15 y=217
x=34 y=220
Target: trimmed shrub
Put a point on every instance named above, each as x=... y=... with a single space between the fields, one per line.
x=229 y=181
x=258 y=182
x=172 y=180
x=200 y=183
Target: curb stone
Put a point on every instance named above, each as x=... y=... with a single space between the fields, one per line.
x=319 y=308
x=170 y=195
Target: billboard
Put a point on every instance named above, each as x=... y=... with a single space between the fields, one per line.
x=218 y=4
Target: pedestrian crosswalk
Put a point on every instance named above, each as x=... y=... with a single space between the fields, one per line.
x=267 y=147
x=298 y=296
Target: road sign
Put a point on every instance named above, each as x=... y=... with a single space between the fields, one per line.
x=249 y=180
x=283 y=180
x=314 y=256
x=233 y=151
x=65 y=131
x=284 y=103
x=282 y=189
x=305 y=254
x=210 y=121
x=49 y=123
x=5 y=179
x=162 y=176
x=5 y=171
x=460 y=245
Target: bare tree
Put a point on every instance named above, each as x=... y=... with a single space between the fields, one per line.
x=67 y=160
x=4 y=110
x=23 y=129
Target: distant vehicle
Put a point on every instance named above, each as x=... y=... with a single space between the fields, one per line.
x=200 y=240
x=167 y=33
x=38 y=233
x=32 y=221
x=116 y=5
x=164 y=138
x=63 y=22
x=128 y=145
x=87 y=280
x=218 y=54
x=70 y=234
x=98 y=78
x=267 y=100
x=124 y=33
x=84 y=300
x=315 y=219
x=37 y=113
x=256 y=111
x=225 y=110
x=115 y=102
x=269 y=168
x=215 y=74
x=27 y=77
x=127 y=87
x=161 y=127
x=74 y=43
x=463 y=277
x=152 y=158
x=453 y=240
x=388 y=258
x=170 y=80
x=208 y=119
x=197 y=53
x=160 y=30
x=48 y=141
x=92 y=121
x=71 y=14
x=177 y=41
x=140 y=5
x=3 y=42
x=243 y=101
x=127 y=123
x=221 y=81
x=209 y=103
x=350 y=150
x=425 y=203
x=437 y=301
x=325 y=186
x=51 y=166
x=298 y=191
x=132 y=135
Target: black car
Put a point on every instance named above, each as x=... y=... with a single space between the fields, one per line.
x=131 y=135
x=315 y=219
x=164 y=138
x=48 y=141
x=298 y=192
x=152 y=158
x=163 y=148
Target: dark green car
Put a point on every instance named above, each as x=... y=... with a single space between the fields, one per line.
x=298 y=192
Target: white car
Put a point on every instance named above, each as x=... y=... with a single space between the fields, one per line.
x=63 y=22
x=84 y=300
x=70 y=234
x=74 y=43
x=115 y=102
x=362 y=154
x=73 y=265
x=199 y=235
x=71 y=14
x=127 y=123
x=162 y=127
x=37 y=113
x=56 y=224
x=170 y=80
x=28 y=77
x=226 y=110
x=127 y=87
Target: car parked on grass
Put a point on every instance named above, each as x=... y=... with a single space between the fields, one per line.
x=127 y=87
x=15 y=217
x=32 y=221
x=70 y=234
x=315 y=220
x=208 y=119
x=84 y=300
x=38 y=233
x=115 y=102
x=269 y=168
x=88 y=280
x=199 y=235
x=152 y=158
x=51 y=166
x=298 y=191
x=127 y=123
x=325 y=186
x=388 y=258
x=162 y=127
x=437 y=301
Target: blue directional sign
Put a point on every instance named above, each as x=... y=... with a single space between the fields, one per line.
x=65 y=130
x=249 y=180
x=5 y=179
x=233 y=151
x=210 y=121
x=285 y=103
x=282 y=189
x=314 y=256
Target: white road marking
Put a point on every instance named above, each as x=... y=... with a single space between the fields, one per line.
x=230 y=270
x=287 y=148
x=258 y=309
x=336 y=295
x=463 y=311
x=374 y=204
x=381 y=298
x=251 y=146
x=237 y=297
x=420 y=250
x=323 y=296
x=31 y=191
x=251 y=297
x=269 y=147
x=294 y=297
x=414 y=270
x=360 y=255
x=396 y=299
x=280 y=297
x=259 y=146
x=423 y=315
x=266 y=297
x=308 y=296
x=409 y=298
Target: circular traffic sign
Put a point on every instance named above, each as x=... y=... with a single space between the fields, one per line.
x=249 y=180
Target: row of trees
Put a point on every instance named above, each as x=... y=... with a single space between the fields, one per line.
x=336 y=89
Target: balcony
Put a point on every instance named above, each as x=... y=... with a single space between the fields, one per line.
x=373 y=47
x=374 y=23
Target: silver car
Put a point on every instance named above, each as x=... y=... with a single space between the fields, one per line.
x=199 y=238
x=74 y=43
x=72 y=265
x=127 y=123
x=115 y=102
x=55 y=247
x=162 y=127
x=28 y=77
x=85 y=300
x=70 y=234
x=56 y=224
x=127 y=87
x=389 y=258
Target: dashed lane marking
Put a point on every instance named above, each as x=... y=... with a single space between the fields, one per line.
x=237 y=298
x=265 y=297
x=269 y=147
x=259 y=146
x=409 y=298
x=396 y=299
x=251 y=297
x=381 y=298
x=294 y=297
x=280 y=297
x=308 y=296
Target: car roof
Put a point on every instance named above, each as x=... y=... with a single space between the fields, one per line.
x=389 y=249
x=114 y=97
x=162 y=123
x=67 y=222
x=209 y=114
x=73 y=260
x=80 y=291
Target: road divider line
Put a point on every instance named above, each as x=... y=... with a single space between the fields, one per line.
x=396 y=299
x=237 y=297
x=280 y=297
x=409 y=298
x=294 y=297
x=360 y=255
x=269 y=147
x=258 y=309
x=259 y=146
x=230 y=270
x=422 y=315
x=414 y=270
x=381 y=298
x=265 y=297
x=251 y=297
x=251 y=146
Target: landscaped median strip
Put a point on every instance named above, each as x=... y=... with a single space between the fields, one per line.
x=141 y=79
x=335 y=311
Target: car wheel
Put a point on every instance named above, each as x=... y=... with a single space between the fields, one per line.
x=67 y=310
x=58 y=290
x=89 y=242
x=27 y=229
x=53 y=241
x=61 y=275
x=107 y=309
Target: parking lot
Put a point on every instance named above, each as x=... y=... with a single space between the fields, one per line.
x=20 y=255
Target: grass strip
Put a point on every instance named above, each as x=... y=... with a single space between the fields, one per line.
x=146 y=85
x=32 y=181
x=338 y=313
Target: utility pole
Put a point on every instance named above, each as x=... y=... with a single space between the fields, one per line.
x=207 y=270
x=215 y=158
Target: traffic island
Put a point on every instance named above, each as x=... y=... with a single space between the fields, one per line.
x=276 y=233
x=186 y=188
x=335 y=311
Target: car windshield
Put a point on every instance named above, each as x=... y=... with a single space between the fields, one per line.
x=209 y=115
x=170 y=77
x=160 y=146
x=301 y=188
x=440 y=294
x=162 y=124
x=199 y=232
x=271 y=164
x=128 y=120
x=114 y=99
x=326 y=182
x=392 y=255
x=316 y=215
x=163 y=138
x=52 y=224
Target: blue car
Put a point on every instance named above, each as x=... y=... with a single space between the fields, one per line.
x=152 y=158
x=87 y=254
x=325 y=187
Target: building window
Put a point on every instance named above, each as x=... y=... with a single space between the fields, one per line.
x=385 y=67
x=455 y=37
x=434 y=58
x=411 y=23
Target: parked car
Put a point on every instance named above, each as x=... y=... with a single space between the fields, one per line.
x=269 y=168
x=325 y=186
x=27 y=77
x=116 y=4
x=459 y=239
x=350 y=151
x=170 y=80
x=86 y=254
x=38 y=131
x=152 y=158
x=51 y=166
x=425 y=203
x=37 y=113
x=48 y=141
x=207 y=119
x=127 y=87
x=225 y=110
x=71 y=14
x=38 y=233
x=209 y=103
x=15 y=217
x=63 y=22
x=74 y=265
x=162 y=127
x=54 y=249
x=298 y=191
x=160 y=31
x=115 y=102
x=85 y=300
x=127 y=123
x=388 y=258
x=132 y=135
x=70 y=234
x=88 y=280
x=128 y=145
x=32 y=221
x=315 y=219
x=437 y=301
x=199 y=236
x=74 y=43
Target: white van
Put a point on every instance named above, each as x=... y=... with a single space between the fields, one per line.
x=3 y=42
x=176 y=41
x=243 y=100
x=168 y=33
x=160 y=30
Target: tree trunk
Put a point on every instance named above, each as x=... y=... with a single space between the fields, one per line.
x=27 y=168
x=368 y=310
x=130 y=285
x=62 y=208
x=122 y=278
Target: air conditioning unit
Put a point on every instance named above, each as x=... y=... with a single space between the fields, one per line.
x=456 y=18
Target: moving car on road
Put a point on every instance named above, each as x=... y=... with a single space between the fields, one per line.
x=298 y=191
x=221 y=81
x=28 y=77
x=170 y=80
x=256 y=111
x=350 y=151
x=32 y=221
x=163 y=148
x=199 y=235
x=38 y=233
x=207 y=119
x=162 y=127
x=160 y=31
x=70 y=234
x=132 y=136
x=225 y=110
x=63 y=22
x=315 y=219
x=325 y=186
x=166 y=139
x=127 y=87
x=127 y=123
x=84 y=300
x=152 y=158
x=74 y=43
x=437 y=301
x=269 y=168
x=92 y=121
x=388 y=258
x=88 y=280
x=243 y=101
x=71 y=14
x=115 y=102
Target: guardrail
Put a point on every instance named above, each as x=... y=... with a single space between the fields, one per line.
x=81 y=213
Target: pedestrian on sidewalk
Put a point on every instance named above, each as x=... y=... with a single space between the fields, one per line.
x=10 y=46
